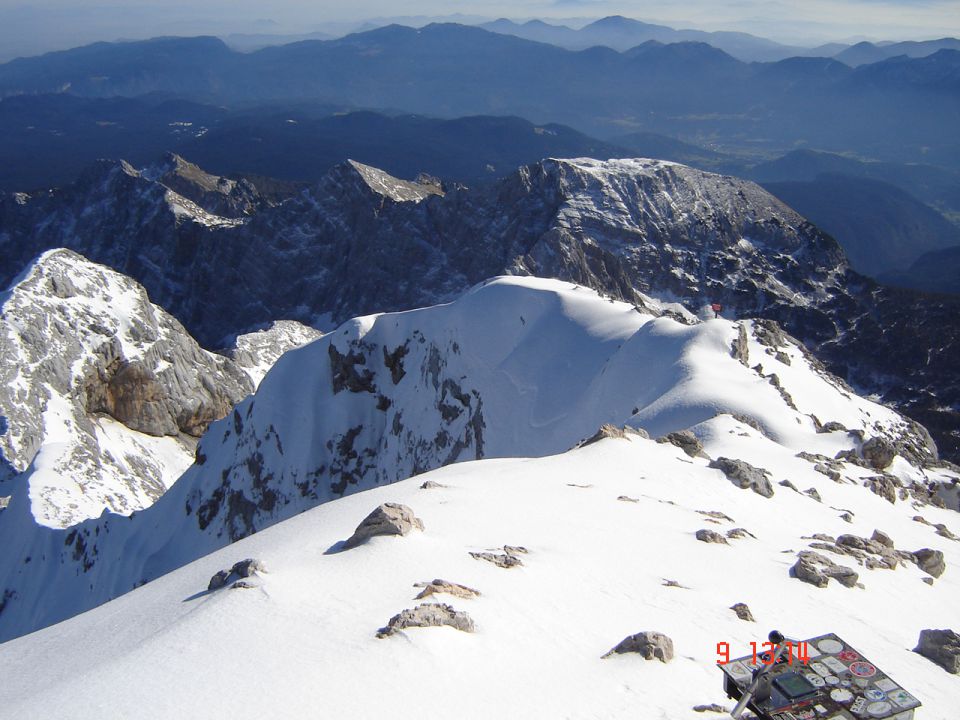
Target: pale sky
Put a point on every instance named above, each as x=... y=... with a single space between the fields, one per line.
x=26 y=28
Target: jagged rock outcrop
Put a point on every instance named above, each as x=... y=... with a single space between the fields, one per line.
x=743 y=612
x=428 y=615
x=241 y=569
x=388 y=519
x=744 y=475
x=817 y=569
x=85 y=359
x=256 y=352
x=941 y=647
x=710 y=536
x=435 y=587
x=649 y=645
x=629 y=228
x=686 y=441
x=931 y=561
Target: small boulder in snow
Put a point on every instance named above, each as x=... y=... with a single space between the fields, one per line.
x=612 y=431
x=941 y=647
x=504 y=560
x=388 y=519
x=241 y=569
x=447 y=588
x=709 y=536
x=427 y=615
x=744 y=475
x=931 y=561
x=743 y=612
x=651 y=645
x=878 y=452
x=432 y=485
x=879 y=536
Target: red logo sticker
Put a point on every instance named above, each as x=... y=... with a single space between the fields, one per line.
x=848 y=656
x=863 y=669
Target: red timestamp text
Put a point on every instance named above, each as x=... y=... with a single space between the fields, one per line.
x=763 y=654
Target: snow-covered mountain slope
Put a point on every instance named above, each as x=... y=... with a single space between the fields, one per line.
x=516 y=367
x=360 y=241
x=609 y=532
x=102 y=394
x=257 y=351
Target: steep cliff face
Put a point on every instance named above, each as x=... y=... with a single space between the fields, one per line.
x=102 y=393
x=360 y=241
x=516 y=367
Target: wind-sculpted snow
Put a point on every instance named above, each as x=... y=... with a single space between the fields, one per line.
x=516 y=367
x=102 y=394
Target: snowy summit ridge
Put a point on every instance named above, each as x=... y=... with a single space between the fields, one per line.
x=516 y=367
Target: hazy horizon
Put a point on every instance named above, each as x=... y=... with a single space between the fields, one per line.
x=56 y=24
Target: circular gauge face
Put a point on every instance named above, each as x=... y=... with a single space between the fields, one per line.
x=875 y=694
x=815 y=680
x=831 y=680
x=829 y=646
x=879 y=709
x=841 y=695
x=844 y=683
x=863 y=669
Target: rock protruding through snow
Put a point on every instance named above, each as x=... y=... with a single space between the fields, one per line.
x=744 y=475
x=941 y=647
x=427 y=615
x=650 y=645
x=388 y=519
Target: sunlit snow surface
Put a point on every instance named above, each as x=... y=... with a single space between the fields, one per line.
x=302 y=644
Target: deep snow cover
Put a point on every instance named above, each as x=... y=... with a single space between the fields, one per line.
x=302 y=642
x=516 y=367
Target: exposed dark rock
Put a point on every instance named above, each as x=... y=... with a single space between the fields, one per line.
x=739 y=348
x=650 y=645
x=246 y=568
x=242 y=585
x=744 y=475
x=712 y=707
x=716 y=515
x=883 y=485
x=833 y=426
x=931 y=561
x=241 y=569
x=673 y=584
x=432 y=485
x=812 y=492
x=504 y=560
x=218 y=580
x=788 y=484
x=817 y=570
x=878 y=452
x=624 y=498
x=941 y=647
x=427 y=615
x=738 y=533
x=881 y=537
x=388 y=519
x=447 y=588
x=686 y=441
x=612 y=431
x=709 y=536
x=743 y=612
x=345 y=374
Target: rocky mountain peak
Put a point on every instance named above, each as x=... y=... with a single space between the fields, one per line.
x=390 y=187
x=102 y=393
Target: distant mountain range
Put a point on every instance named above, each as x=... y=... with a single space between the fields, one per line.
x=621 y=33
x=690 y=90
